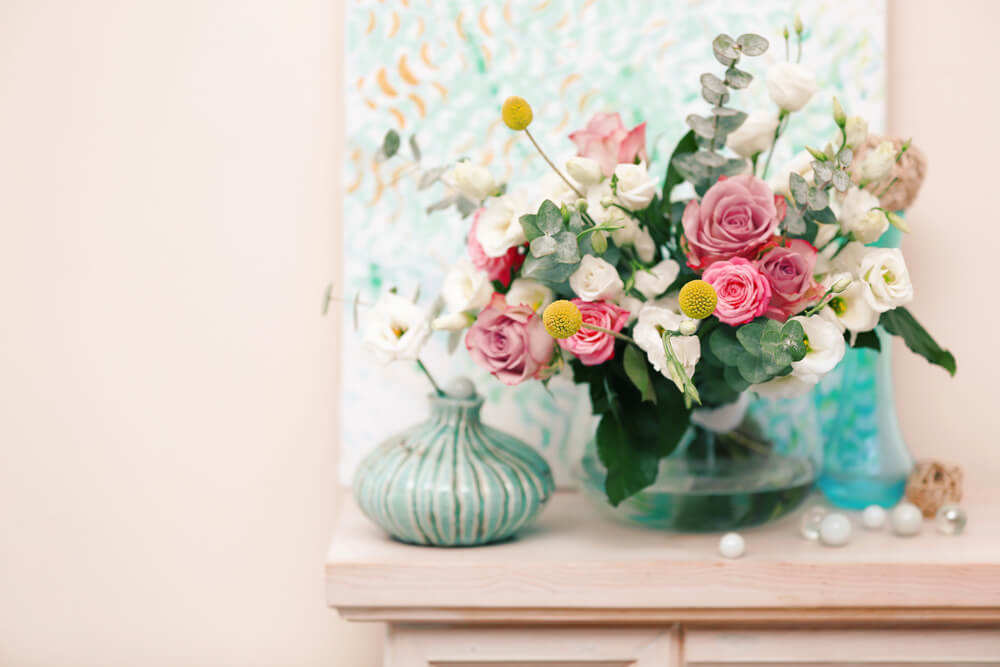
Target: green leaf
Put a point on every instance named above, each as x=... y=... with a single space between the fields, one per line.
x=549 y=219
x=638 y=372
x=752 y=44
x=725 y=346
x=542 y=246
x=390 y=145
x=567 y=248
x=865 y=339
x=824 y=215
x=703 y=127
x=799 y=188
x=414 y=147
x=723 y=47
x=818 y=199
x=529 y=223
x=687 y=144
x=630 y=468
x=737 y=78
x=547 y=270
x=841 y=180
x=713 y=83
x=899 y=322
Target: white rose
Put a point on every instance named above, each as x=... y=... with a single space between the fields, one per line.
x=530 y=292
x=599 y=204
x=499 y=227
x=596 y=280
x=471 y=181
x=584 y=170
x=855 y=214
x=884 y=271
x=452 y=322
x=635 y=187
x=791 y=85
x=877 y=164
x=849 y=310
x=825 y=348
x=645 y=246
x=654 y=281
x=396 y=328
x=465 y=288
x=647 y=336
x=801 y=164
x=786 y=386
x=856 y=130
x=755 y=135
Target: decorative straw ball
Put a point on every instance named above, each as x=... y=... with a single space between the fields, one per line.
x=933 y=484
x=910 y=172
x=562 y=319
x=516 y=113
x=698 y=299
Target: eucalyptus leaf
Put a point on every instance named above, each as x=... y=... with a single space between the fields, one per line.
x=454 y=338
x=822 y=170
x=824 y=215
x=542 y=246
x=818 y=199
x=723 y=47
x=793 y=223
x=737 y=78
x=466 y=206
x=549 y=219
x=841 y=180
x=710 y=159
x=731 y=122
x=567 y=248
x=547 y=270
x=529 y=223
x=798 y=187
x=726 y=111
x=714 y=83
x=845 y=157
x=430 y=176
x=442 y=204
x=703 y=127
x=414 y=148
x=390 y=144
x=712 y=97
x=752 y=44
x=689 y=168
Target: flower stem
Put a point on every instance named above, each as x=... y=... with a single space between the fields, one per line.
x=689 y=390
x=430 y=377
x=616 y=334
x=551 y=164
x=782 y=115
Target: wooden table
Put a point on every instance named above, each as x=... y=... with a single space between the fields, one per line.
x=577 y=589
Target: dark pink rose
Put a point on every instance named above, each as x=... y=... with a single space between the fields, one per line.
x=734 y=219
x=606 y=140
x=497 y=268
x=595 y=347
x=789 y=269
x=744 y=292
x=509 y=341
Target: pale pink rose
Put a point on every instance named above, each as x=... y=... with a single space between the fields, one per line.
x=606 y=140
x=595 y=347
x=497 y=268
x=509 y=341
x=734 y=219
x=744 y=292
x=789 y=267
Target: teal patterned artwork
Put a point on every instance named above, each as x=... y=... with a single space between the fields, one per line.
x=440 y=70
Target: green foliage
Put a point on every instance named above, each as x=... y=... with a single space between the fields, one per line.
x=553 y=243
x=390 y=145
x=638 y=372
x=758 y=351
x=866 y=339
x=899 y=322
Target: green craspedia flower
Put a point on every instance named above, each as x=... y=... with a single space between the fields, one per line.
x=698 y=299
x=516 y=113
x=562 y=319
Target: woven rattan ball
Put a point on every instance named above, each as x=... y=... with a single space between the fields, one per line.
x=933 y=484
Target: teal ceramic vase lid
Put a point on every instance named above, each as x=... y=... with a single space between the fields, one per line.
x=451 y=480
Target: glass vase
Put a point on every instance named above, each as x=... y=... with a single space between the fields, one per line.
x=749 y=466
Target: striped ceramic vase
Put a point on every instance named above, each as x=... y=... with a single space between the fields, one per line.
x=451 y=481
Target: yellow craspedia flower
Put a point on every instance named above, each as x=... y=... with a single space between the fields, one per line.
x=516 y=113
x=562 y=319
x=698 y=299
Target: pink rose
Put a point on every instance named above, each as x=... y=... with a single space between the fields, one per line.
x=497 y=268
x=606 y=140
x=509 y=341
x=789 y=269
x=744 y=292
x=595 y=347
x=734 y=219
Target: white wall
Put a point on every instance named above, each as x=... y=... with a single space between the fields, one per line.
x=167 y=401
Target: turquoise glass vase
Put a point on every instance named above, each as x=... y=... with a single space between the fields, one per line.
x=452 y=481
x=865 y=459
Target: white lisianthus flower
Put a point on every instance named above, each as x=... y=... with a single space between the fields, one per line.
x=396 y=329
x=654 y=281
x=647 y=336
x=596 y=280
x=600 y=206
x=856 y=130
x=629 y=229
x=849 y=310
x=888 y=280
x=645 y=246
x=824 y=234
x=452 y=322
x=530 y=292
x=631 y=304
x=466 y=288
x=848 y=259
x=858 y=215
x=635 y=187
x=471 y=181
x=499 y=227
x=791 y=85
x=584 y=170
x=786 y=386
x=878 y=163
x=801 y=164
x=825 y=348
x=755 y=135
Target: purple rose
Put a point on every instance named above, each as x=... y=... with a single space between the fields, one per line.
x=734 y=219
x=509 y=341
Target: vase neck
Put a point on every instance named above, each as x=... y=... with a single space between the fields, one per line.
x=448 y=410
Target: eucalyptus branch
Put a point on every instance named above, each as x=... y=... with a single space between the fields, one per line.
x=782 y=116
x=599 y=228
x=430 y=378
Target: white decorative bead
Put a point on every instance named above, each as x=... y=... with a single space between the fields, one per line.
x=811 y=519
x=731 y=545
x=906 y=519
x=461 y=388
x=835 y=530
x=950 y=520
x=873 y=517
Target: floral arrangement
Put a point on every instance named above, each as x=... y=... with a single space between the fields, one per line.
x=666 y=297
